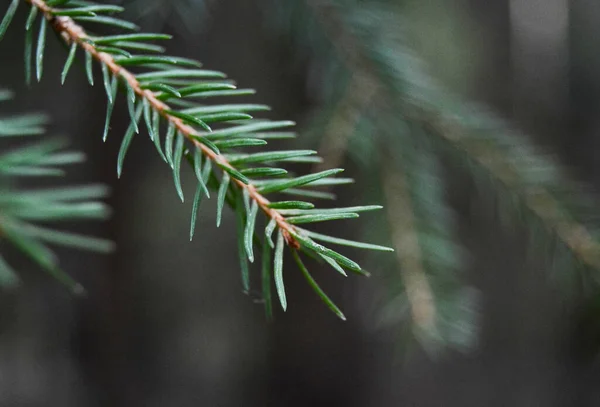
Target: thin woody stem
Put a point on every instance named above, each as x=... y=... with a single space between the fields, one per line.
x=406 y=242
x=73 y=32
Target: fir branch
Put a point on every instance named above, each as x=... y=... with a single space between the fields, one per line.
x=539 y=198
x=178 y=81
x=369 y=41
x=425 y=238
x=21 y=209
x=72 y=32
x=481 y=137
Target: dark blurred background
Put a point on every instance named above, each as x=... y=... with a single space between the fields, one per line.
x=166 y=322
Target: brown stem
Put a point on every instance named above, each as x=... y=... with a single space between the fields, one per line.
x=406 y=242
x=72 y=32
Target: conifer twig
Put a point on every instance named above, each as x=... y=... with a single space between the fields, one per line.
x=169 y=79
x=28 y=213
x=71 y=32
x=538 y=199
x=449 y=127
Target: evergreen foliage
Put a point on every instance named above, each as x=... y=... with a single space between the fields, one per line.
x=379 y=99
x=25 y=211
x=166 y=95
